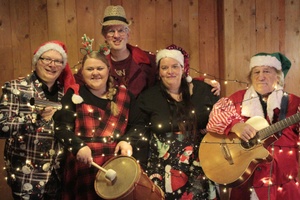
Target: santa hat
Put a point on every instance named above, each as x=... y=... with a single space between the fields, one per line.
x=188 y=148
x=186 y=57
x=174 y=179
x=51 y=45
x=66 y=77
x=170 y=53
x=178 y=54
x=276 y=60
x=76 y=98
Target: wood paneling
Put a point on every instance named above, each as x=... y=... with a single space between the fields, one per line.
x=220 y=36
x=291 y=30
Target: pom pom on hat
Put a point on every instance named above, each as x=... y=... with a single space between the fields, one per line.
x=115 y=15
x=51 y=45
x=178 y=54
x=76 y=98
x=276 y=60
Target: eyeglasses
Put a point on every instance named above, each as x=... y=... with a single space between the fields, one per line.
x=48 y=61
x=122 y=32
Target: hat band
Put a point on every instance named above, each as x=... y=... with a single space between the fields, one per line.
x=115 y=18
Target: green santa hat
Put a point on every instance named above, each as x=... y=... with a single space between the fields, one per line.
x=276 y=60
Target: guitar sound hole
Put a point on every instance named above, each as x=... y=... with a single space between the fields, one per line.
x=251 y=143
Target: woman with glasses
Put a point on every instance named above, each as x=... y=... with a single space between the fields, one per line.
x=131 y=66
x=32 y=156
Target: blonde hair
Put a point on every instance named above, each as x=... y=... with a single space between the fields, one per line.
x=112 y=90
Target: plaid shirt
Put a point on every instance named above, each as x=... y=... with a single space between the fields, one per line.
x=30 y=150
x=96 y=127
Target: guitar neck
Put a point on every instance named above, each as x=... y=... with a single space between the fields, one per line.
x=278 y=126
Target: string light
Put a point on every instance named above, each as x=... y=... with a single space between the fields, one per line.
x=265 y=182
x=220 y=79
x=195 y=70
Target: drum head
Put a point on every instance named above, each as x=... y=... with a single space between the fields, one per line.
x=128 y=173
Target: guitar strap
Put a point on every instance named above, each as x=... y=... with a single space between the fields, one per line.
x=283 y=109
x=283 y=106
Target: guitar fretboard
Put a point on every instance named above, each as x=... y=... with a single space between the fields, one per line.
x=278 y=126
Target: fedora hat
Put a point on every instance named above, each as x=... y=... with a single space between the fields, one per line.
x=115 y=15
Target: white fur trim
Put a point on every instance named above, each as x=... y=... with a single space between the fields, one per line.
x=170 y=53
x=76 y=99
x=168 y=181
x=47 y=47
x=265 y=60
x=189 y=79
x=251 y=105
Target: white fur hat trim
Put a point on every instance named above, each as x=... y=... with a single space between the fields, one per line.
x=265 y=61
x=173 y=53
x=47 y=47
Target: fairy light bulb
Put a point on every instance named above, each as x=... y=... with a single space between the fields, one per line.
x=270 y=182
x=279 y=189
x=272 y=148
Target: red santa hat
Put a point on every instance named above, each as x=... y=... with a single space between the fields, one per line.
x=51 y=45
x=178 y=179
x=174 y=179
x=170 y=53
x=188 y=148
x=66 y=77
x=186 y=56
x=178 y=54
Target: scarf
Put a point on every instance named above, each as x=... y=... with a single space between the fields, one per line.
x=251 y=105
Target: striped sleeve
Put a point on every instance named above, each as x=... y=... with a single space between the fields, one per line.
x=223 y=116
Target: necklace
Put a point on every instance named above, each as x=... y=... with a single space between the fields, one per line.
x=176 y=97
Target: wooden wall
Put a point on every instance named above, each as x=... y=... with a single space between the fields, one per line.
x=220 y=35
x=260 y=26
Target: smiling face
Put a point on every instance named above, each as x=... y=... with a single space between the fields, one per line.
x=95 y=74
x=116 y=36
x=170 y=72
x=49 y=72
x=264 y=79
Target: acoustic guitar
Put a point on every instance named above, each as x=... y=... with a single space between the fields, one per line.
x=230 y=161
